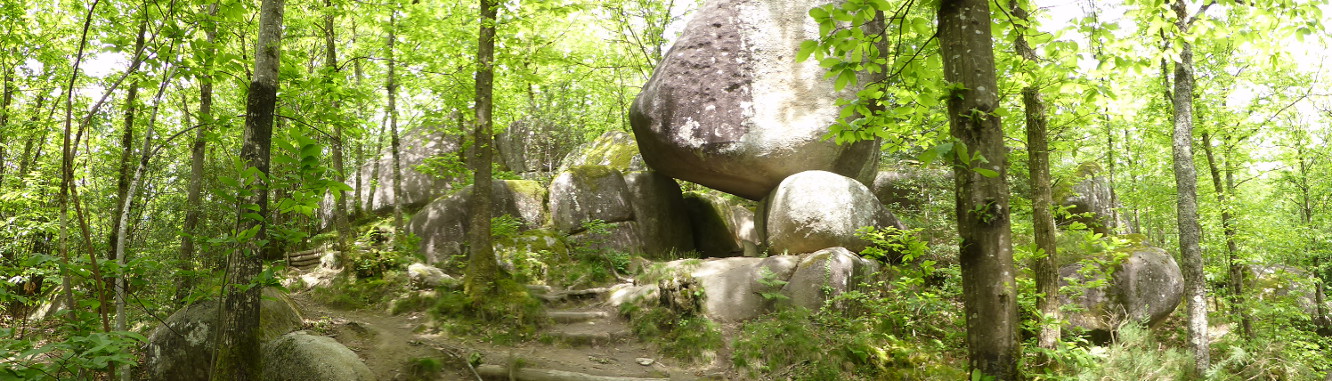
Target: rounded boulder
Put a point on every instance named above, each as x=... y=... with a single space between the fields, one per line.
x=814 y=210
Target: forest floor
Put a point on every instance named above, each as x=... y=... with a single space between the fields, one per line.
x=390 y=344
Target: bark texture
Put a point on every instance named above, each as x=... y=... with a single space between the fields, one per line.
x=1042 y=200
x=339 y=172
x=1186 y=183
x=1224 y=190
x=988 y=286
x=238 y=354
x=395 y=146
x=482 y=270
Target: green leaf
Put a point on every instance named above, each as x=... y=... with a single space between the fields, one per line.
x=806 y=48
x=986 y=172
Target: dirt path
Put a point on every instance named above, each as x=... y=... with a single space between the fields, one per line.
x=388 y=344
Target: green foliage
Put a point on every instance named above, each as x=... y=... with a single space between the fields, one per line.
x=693 y=339
x=1138 y=356
x=349 y=293
x=424 y=368
x=84 y=348
x=510 y=314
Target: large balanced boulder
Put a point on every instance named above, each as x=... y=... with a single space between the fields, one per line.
x=300 y=356
x=1145 y=286
x=442 y=226
x=730 y=108
x=721 y=228
x=182 y=348
x=814 y=210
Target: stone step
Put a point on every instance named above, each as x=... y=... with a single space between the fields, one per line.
x=577 y=316
x=499 y=372
x=589 y=333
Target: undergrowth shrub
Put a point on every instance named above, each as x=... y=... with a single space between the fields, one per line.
x=676 y=323
x=509 y=315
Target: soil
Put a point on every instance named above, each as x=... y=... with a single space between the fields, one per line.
x=389 y=344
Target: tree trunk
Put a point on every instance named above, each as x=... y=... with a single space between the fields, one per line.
x=193 y=209
x=67 y=164
x=482 y=272
x=988 y=284
x=238 y=329
x=1190 y=233
x=126 y=157
x=1235 y=282
x=1042 y=201
x=394 y=144
x=5 y=101
x=339 y=171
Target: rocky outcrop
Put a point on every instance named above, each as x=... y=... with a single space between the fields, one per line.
x=300 y=356
x=533 y=146
x=1146 y=287
x=814 y=210
x=426 y=277
x=729 y=108
x=1287 y=284
x=1091 y=202
x=721 y=228
x=825 y=274
x=442 y=226
x=742 y=288
x=418 y=188
x=182 y=348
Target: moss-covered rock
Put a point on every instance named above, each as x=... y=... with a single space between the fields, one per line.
x=182 y=348
x=614 y=149
x=586 y=193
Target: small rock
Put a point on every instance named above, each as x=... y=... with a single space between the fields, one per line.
x=644 y=361
x=600 y=359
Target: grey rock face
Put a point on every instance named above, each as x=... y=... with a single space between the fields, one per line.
x=587 y=193
x=300 y=356
x=183 y=349
x=814 y=210
x=824 y=274
x=442 y=225
x=730 y=109
x=615 y=149
x=1146 y=287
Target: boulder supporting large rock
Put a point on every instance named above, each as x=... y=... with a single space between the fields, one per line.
x=729 y=107
x=659 y=209
x=721 y=228
x=814 y=210
x=300 y=356
x=1146 y=287
x=442 y=226
x=182 y=348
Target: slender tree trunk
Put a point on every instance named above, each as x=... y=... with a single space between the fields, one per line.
x=126 y=151
x=198 y=149
x=5 y=101
x=67 y=162
x=238 y=331
x=482 y=272
x=988 y=284
x=1042 y=201
x=1236 y=269
x=395 y=145
x=339 y=171
x=1186 y=178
